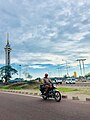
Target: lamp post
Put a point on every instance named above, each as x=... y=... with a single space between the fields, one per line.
x=26 y=70
x=19 y=71
x=66 y=67
x=83 y=66
x=59 y=71
x=80 y=65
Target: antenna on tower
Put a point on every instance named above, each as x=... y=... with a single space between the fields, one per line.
x=7 y=38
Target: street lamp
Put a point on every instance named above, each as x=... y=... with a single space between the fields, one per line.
x=20 y=71
x=66 y=67
x=26 y=67
x=83 y=66
x=80 y=65
x=59 y=71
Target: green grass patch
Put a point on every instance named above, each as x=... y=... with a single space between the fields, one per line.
x=4 y=87
x=63 y=89
x=19 y=86
x=9 y=87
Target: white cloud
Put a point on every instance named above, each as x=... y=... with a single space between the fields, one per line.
x=45 y=32
x=37 y=67
x=39 y=58
x=62 y=23
x=25 y=37
x=77 y=36
x=52 y=34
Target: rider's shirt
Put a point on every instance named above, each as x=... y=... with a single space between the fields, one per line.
x=46 y=80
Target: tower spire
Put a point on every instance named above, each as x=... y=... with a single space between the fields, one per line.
x=7 y=38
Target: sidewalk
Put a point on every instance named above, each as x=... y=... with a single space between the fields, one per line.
x=76 y=96
x=68 y=95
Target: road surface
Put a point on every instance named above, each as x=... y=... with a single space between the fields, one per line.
x=21 y=107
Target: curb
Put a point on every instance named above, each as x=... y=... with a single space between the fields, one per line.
x=75 y=98
x=88 y=99
x=38 y=94
x=64 y=96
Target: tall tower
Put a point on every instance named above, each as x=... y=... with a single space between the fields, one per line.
x=7 y=51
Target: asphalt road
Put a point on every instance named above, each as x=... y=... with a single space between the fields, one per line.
x=20 y=107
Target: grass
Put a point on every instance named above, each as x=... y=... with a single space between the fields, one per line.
x=85 y=91
x=35 y=87
x=21 y=86
x=64 y=89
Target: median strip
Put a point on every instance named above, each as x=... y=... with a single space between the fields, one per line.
x=38 y=94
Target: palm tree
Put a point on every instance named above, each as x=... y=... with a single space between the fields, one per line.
x=6 y=72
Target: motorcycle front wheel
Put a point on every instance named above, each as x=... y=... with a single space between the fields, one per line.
x=44 y=97
x=57 y=96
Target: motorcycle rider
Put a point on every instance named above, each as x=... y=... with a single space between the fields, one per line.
x=47 y=82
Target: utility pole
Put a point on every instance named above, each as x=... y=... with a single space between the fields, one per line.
x=83 y=66
x=20 y=71
x=81 y=60
x=66 y=67
x=80 y=65
x=59 y=71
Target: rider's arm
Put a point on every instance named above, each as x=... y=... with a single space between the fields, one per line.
x=50 y=80
x=44 y=80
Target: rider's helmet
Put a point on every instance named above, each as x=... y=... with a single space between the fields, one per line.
x=46 y=75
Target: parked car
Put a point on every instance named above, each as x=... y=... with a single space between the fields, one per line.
x=88 y=78
x=58 y=81
x=70 y=81
x=16 y=80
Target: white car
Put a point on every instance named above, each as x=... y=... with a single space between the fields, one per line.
x=88 y=78
x=70 y=81
x=58 y=81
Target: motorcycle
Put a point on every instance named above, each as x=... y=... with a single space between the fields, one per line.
x=52 y=93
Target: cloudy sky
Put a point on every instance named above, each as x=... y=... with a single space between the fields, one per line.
x=46 y=34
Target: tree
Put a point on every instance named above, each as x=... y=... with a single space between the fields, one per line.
x=87 y=75
x=27 y=75
x=65 y=76
x=6 y=72
x=39 y=79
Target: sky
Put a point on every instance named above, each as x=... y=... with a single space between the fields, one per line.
x=46 y=36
